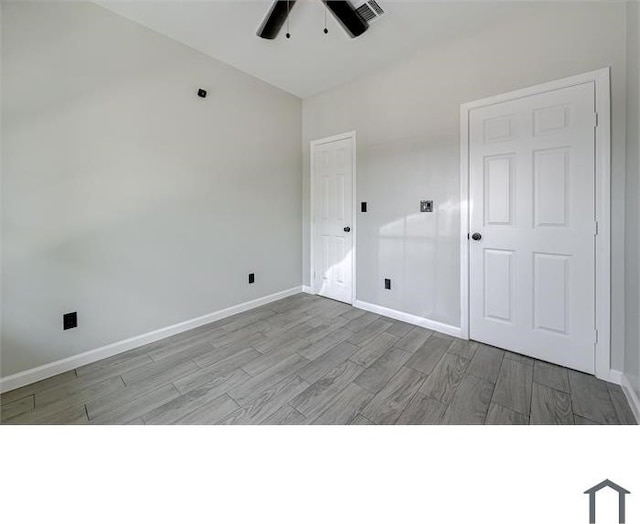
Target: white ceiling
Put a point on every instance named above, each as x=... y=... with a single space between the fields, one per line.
x=310 y=62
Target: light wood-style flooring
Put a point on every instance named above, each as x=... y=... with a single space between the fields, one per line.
x=310 y=360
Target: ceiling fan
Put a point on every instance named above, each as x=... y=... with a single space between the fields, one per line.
x=352 y=22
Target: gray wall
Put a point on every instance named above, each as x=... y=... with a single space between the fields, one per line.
x=126 y=197
x=407 y=120
x=632 y=353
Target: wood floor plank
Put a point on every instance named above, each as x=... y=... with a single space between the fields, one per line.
x=298 y=303
x=369 y=332
x=272 y=343
x=380 y=372
x=200 y=334
x=345 y=406
x=313 y=400
x=581 y=421
x=65 y=396
x=168 y=376
x=463 y=348
x=117 y=364
x=389 y=403
x=444 y=336
x=353 y=313
x=281 y=322
x=325 y=329
x=486 y=363
x=37 y=387
x=260 y=407
x=253 y=387
x=374 y=349
x=286 y=416
x=211 y=413
x=161 y=371
x=104 y=405
x=550 y=406
x=470 y=402
x=222 y=382
x=522 y=359
x=67 y=416
x=324 y=309
x=316 y=309
x=414 y=340
x=551 y=375
x=8 y=410
x=319 y=367
x=227 y=354
x=513 y=387
x=428 y=355
x=329 y=309
x=361 y=321
x=270 y=359
x=361 y=421
x=181 y=406
x=621 y=405
x=422 y=410
x=103 y=373
x=186 y=351
x=590 y=398
x=207 y=374
x=246 y=319
x=399 y=328
x=249 y=336
x=303 y=329
x=191 y=344
x=499 y=415
x=319 y=348
x=139 y=406
x=441 y=384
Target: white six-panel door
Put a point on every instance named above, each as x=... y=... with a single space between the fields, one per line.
x=332 y=208
x=532 y=201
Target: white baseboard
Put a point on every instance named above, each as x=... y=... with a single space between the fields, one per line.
x=615 y=377
x=409 y=318
x=60 y=366
x=308 y=289
x=634 y=401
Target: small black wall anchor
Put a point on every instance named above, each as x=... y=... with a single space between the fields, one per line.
x=202 y=93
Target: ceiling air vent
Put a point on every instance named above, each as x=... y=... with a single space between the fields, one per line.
x=370 y=11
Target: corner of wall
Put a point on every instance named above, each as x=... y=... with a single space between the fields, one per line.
x=631 y=375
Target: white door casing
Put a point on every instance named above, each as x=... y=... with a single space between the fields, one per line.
x=332 y=217
x=535 y=194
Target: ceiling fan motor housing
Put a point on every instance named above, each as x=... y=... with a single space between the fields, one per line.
x=351 y=20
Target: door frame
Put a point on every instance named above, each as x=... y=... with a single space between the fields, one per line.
x=601 y=80
x=313 y=145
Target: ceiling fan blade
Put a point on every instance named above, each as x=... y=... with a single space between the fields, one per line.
x=348 y=17
x=275 y=19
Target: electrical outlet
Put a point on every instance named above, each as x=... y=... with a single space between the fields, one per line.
x=387 y=283
x=70 y=320
x=252 y=278
x=426 y=206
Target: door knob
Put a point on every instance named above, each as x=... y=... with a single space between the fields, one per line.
x=476 y=236
x=347 y=229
